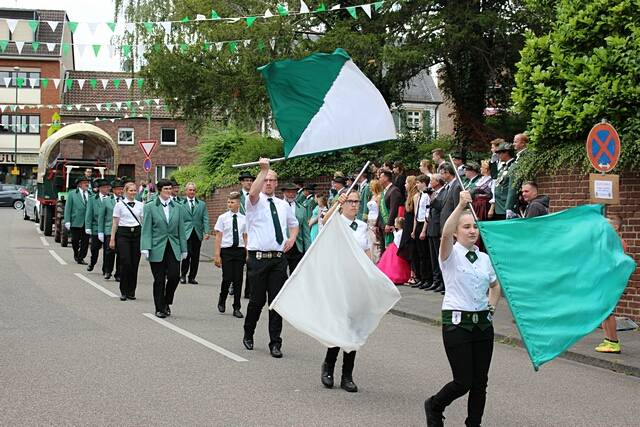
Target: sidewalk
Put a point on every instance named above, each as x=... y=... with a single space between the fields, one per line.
x=425 y=307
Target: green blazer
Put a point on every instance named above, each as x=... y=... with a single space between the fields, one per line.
x=503 y=184
x=198 y=220
x=303 y=241
x=365 y=196
x=156 y=231
x=92 y=213
x=105 y=216
x=75 y=209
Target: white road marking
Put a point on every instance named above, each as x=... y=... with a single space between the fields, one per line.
x=95 y=285
x=44 y=241
x=57 y=257
x=196 y=338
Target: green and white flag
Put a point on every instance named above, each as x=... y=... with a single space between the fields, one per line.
x=325 y=103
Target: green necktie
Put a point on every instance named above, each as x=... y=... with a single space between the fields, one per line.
x=354 y=226
x=471 y=256
x=236 y=236
x=276 y=220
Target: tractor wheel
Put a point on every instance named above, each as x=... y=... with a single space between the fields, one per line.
x=47 y=220
x=59 y=219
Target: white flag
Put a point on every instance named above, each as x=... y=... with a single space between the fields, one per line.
x=128 y=82
x=53 y=25
x=56 y=82
x=19 y=46
x=167 y=26
x=81 y=48
x=7 y=81
x=104 y=82
x=303 y=7
x=33 y=82
x=81 y=83
x=11 y=23
x=336 y=294
x=98 y=106
x=92 y=27
x=51 y=46
x=367 y=9
x=268 y=14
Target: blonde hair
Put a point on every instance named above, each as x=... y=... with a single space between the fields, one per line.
x=411 y=192
x=376 y=187
x=427 y=164
x=129 y=185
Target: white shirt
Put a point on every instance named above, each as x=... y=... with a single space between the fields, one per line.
x=125 y=218
x=260 y=229
x=397 y=237
x=224 y=224
x=467 y=284
x=190 y=203
x=166 y=207
x=372 y=206
x=423 y=207
x=361 y=233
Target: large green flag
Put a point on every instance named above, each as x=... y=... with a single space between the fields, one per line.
x=562 y=275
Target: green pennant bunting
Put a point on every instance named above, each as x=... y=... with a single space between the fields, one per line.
x=116 y=83
x=35 y=46
x=184 y=47
x=165 y=107
x=93 y=83
x=352 y=12
x=140 y=82
x=321 y=8
x=3 y=45
x=206 y=46
x=149 y=26
x=107 y=106
x=147 y=102
x=133 y=114
x=112 y=26
x=44 y=83
x=73 y=26
x=233 y=47
x=282 y=10
x=66 y=47
x=68 y=107
x=68 y=83
x=214 y=15
x=126 y=49
x=260 y=45
x=185 y=20
x=157 y=47
x=128 y=104
x=20 y=81
x=250 y=20
x=377 y=5
x=33 y=25
x=96 y=49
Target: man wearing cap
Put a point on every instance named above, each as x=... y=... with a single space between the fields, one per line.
x=196 y=228
x=75 y=210
x=105 y=221
x=303 y=240
x=365 y=196
x=92 y=216
x=458 y=163
x=246 y=179
x=339 y=183
x=300 y=190
x=268 y=220
x=309 y=202
x=503 y=182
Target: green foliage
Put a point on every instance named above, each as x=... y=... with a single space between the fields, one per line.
x=586 y=69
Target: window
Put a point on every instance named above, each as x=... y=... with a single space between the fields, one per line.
x=127 y=170
x=125 y=136
x=165 y=172
x=26 y=77
x=414 y=120
x=20 y=123
x=168 y=136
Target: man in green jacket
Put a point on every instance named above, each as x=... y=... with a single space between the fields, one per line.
x=75 y=209
x=175 y=192
x=105 y=221
x=94 y=207
x=503 y=182
x=246 y=179
x=164 y=244
x=303 y=239
x=196 y=228
x=365 y=196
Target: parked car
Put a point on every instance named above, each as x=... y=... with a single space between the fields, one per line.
x=12 y=195
x=31 y=207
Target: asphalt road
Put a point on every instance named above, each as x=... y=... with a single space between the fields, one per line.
x=71 y=354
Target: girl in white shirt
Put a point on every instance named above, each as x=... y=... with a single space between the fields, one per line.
x=467 y=312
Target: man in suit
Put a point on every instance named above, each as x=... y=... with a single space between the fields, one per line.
x=164 y=244
x=75 y=210
x=105 y=221
x=448 y=172
x=309 y=202
x=503 y=183
x=514 y=195
x=365 y=196
x=300 y=196
x=196 y=228
x=339 y=184
x=389 y=203
x=434 y=229
x=175 y=192
x=246 y=179
x=303 y=239
x=92 y=228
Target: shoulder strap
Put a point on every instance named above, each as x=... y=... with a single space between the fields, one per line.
x=134 y=215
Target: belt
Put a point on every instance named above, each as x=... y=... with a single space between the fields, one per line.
x=130 y=229
x=266 y=254
x=467 y=319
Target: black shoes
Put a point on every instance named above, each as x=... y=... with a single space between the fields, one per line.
x=237 y=313
x=440 y=288
x=107 y=276
x=167 y=310
x=424 y=285
x=221 y=307
x=160 y=314
x=417 y=284
x=327 y=375
x=123 y=297
x=192 y=282
x=90 y=267
x=434 y=418
x=131 y=297
x=82 y=262
x=432 y=287
x=116 y=277
x=347 y=384
x=275 y=351
x=248 y=343
x=183 y=279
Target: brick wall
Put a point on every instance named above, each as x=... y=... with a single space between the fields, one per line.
x=567 y=190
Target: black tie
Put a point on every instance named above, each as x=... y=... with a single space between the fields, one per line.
x=471 y=256
x=276 y=221
x=84 y=197
x=236 y=236
x=354 y=226
x=164 y=205
x=132 y=204
x=191 y=202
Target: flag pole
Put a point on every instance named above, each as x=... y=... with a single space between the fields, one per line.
x=244 y=165
x=473 y=212
x=355 y=180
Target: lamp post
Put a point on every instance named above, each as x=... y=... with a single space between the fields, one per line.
x=15 y=127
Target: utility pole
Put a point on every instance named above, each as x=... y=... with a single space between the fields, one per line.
x=16 y=69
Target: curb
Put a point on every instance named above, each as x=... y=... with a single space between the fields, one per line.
x=509 y=340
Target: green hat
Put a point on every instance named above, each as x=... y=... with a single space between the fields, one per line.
x=101 y=182
x=288 y=186
x=80 y=179
x=505 y=146
x=117 y=183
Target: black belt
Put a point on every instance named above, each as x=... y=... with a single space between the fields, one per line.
x=266 y=254
x=129 y=229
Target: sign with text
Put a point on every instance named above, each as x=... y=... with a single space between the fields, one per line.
x=148 y=145
x=604 y=189
x=603 y=147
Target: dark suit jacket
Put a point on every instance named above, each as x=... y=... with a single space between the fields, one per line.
x=393 y=200
x=450 y=202
x=433 y=227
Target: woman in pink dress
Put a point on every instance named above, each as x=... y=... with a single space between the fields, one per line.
x=395 y=267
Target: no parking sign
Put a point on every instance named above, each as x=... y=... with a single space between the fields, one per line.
x=603 y=147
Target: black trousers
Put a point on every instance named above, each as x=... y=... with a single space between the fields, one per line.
x=128 y=242
x=469 y=355
x=267 y=277
x=233 y=260
x=96 y=244
x=247 y=285
x=192 y=261
x=348 y=360
x=293 y=258
x=108 y=256
x=166 y=276
x=423 y=261
x=434 y=251
x=79 y=243
x=499 y=217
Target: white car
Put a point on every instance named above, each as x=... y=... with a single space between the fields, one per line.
x=31 y=207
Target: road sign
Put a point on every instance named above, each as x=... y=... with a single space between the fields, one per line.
x=147 y=146
x=603 y=147
x=147 y=164
x=604 y=189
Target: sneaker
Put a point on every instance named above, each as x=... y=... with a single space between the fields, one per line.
x=607 y=346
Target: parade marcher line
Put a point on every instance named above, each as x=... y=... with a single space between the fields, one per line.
x=95 y=285
x=196 y=338
x=57 y=257
x=44 y=241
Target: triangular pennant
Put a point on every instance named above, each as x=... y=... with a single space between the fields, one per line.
x=33 y=82
x=93 y=26
x=352 y=12
x=68 y=107
x=250 y=20
x=149 y=26
x=112 y=120
x=81 y=83
x=336 y=7
x=20 y=81
x=157 y=47
x=167 y=26
x=184 y=47
x=56 y=82
x=116 y=83
x=3 y=45
x=147 y=102
x=33 y=24
x=233 y=47
x=214 y=15
x=169 y=47
x=377 y=5
x=206 y=46
x=140 y=48
x=93 y=83
x=107 y=106
x=51 y=47
x=219 y=46
x=44 y=83
x=128 y=83
x=118 y=104
x=128 y=104
x=185 y=20
x=78 y=107
x=53 y=25
x=246 y=43
x=321 y=8
x=73 y=26
x=367 y=9
x=126 y=49
x=87 y=108
x=140 y=82
x=19 y=46
x=96 y=49
x=130 y=27
x=268 y=14
x=303 y=7
x=66 y=47
x=35 y=46
x=104 y=82
x=157 y=101
x=11 y=23
x=2 y=107
x=282 y=10
x=260 y=45
x=273 y=44
x=138 y=102
x=7 y=81
x=68 y=84
x=99 y=106
x=81 y=48
x=112 y=26
x=96 y=119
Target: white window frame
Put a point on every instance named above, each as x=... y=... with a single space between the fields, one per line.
x=161 y=171
x=133 y=136
x=411 y=116
x=175 y=132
